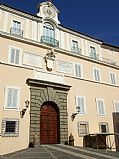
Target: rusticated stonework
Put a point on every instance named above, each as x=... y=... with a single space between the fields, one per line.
x=42 y=92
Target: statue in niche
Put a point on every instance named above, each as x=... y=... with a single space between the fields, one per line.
x=49 y=59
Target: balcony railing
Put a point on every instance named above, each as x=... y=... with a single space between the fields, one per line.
x=16 y=31
x=94 y=56
x=50 y=41
x=76 y=50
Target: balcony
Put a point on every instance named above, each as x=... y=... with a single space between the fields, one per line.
x=50 y=41
x=16 y=31
x=94 y=56
x=76 y=50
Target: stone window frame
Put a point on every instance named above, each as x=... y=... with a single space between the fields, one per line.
x=107 y=127
x=10 y=134
x=87 y=128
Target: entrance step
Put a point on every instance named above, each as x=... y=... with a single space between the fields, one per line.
x=59 y=151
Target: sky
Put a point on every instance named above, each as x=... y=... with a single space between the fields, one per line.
x=96 y=18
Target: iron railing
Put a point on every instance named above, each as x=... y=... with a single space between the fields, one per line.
x=94 y=56
x=16 y=31
x=76 y=50
x=50 y=41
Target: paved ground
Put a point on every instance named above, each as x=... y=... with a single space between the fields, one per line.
x=61 y=152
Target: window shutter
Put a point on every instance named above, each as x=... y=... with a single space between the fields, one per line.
x=9 y=97
x=116 y=106
x=15 y=98
x=112 y=78
x=81 y=105
x=12 y=98
x=17 y=56
x=100 y=105
x=12 y=55
x=96 y=75
x=77 y=70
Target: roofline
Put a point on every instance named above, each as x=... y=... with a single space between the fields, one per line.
x=63 y=27
x=10 y=7
x=80 y=33
x=110 y=45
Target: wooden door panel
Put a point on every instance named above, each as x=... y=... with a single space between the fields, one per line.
x=48 y=125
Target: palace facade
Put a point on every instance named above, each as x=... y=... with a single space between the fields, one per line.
x=54 y=81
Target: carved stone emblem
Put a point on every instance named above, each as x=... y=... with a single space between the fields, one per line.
x=49 y=59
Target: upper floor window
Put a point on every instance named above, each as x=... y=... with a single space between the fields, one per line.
x=16 y=28
x=93 y=53
x=100 y=107
x=75 y=47
x=96 y=74
x=12 y=95
x=78 y=70
x=49 y=35
x=112 y=79
x=14 y=55
x=81 y=105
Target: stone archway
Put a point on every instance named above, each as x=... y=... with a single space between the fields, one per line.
x=41 y=92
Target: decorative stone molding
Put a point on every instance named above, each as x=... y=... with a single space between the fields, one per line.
x=42 y=92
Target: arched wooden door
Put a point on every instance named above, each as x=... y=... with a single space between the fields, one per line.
x=48 y=125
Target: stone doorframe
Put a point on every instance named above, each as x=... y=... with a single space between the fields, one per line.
x=40 y=92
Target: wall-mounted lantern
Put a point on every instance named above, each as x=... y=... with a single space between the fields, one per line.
x=74 y=114
x=23 y=111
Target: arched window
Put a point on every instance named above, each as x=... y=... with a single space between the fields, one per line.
x=48 y=30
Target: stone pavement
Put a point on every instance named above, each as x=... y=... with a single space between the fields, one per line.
x=59 y=151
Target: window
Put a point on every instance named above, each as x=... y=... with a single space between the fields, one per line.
x=93 y=53
x=14 y=55
x=10 y=127
x=49 y=35
x=116 y=106
x=81 y=105
x=112 y=78
x=75 y=47
x=12 y=98
x=100 y=107
x=16 y=29
x=96 y=74
x=83 y=128
x=48 y=30
x=103 y=127
x=78 y=70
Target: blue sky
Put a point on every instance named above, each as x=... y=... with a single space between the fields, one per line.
x=97 y=18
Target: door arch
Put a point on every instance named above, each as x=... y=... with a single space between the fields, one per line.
x=49 y=123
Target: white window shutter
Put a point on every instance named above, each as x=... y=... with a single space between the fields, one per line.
x=12 y=97
x=100 y=107
x=116 y=104
x=96 y=75
x=15 y=98
x=9 y=97
x=12 y=57
x=81 y=105
x=77 y=70
x=17 y=56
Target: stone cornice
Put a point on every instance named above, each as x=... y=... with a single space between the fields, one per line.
x=35 y=82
